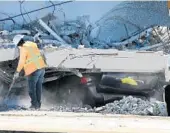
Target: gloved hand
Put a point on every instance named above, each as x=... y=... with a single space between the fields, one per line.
x=16 y=75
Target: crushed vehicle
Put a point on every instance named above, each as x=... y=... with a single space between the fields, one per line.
x=95 y=77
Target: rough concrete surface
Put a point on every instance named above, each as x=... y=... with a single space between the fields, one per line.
x=82 y=122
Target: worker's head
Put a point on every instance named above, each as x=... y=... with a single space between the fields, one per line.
x=18 y=40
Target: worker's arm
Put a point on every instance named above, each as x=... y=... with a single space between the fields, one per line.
x=22 y=59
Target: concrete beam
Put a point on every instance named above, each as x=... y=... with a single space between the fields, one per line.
x=45 y=26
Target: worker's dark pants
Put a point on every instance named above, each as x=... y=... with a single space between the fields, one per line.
x=35 y=81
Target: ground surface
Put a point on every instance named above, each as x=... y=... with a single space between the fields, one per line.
x=46 y=121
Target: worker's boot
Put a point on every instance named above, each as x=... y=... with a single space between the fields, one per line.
x=32 y=107
x=38 y=106
x=33 y=101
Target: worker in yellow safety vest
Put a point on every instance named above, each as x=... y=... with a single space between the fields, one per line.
x=33 y=64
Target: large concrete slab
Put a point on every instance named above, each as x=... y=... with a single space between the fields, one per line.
x=7 y=54
x=108 y=60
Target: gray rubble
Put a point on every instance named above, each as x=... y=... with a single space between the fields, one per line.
x=107 y=33
x=136 y=106
x=72 y=108
x=130 y=18
x=128 y=106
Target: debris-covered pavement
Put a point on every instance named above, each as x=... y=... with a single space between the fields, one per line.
x=128 y=105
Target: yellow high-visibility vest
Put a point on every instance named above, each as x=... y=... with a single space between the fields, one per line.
x=129 y=80
x=30 y=58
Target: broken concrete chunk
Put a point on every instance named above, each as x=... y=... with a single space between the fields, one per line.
x=67 y=39
x=51 y=31
x=86 y=43
x=4 y=32
x=99 y=109
x=67 y=30
x=25 y=32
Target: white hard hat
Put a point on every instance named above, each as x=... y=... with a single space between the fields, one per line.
x=17 y=39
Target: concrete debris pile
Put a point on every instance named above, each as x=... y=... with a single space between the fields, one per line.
x=135 y=106
x=152 y=39
x=130 y=18
x=81 y=33
x=134 y=25
x=128 y=105
x=120 y=28
x=52 y=33
x=78 y=34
